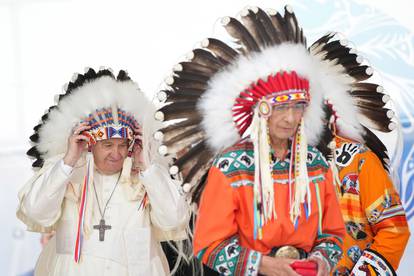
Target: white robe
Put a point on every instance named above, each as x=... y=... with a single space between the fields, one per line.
x=50 y=201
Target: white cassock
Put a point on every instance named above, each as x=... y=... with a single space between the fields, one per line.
x=50 y=201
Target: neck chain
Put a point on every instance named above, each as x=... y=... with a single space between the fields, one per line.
x=102 y=227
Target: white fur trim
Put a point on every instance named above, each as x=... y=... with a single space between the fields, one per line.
x=99 y=93
x=325 y=80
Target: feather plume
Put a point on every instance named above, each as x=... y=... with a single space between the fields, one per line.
x=194 y=68
x=224 y=52
x=376 y=145
x=361 y=73
x=239 y=32
x=279 y=26
x=317 y=46
x=379 y=119
x=180 y=145
x=205 y=58
x=255 y=27
x=167 y=96
x=190 y=131
x=264 y=19
x=365 y=86
x=193 y=153
x=291 y=26
x=177 y=83
x=199 y=169
x=176 y=128
x=174 y=115
x=189 y=76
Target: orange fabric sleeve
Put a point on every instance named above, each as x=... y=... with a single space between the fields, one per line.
x=216 y=214
x=216 y=242
x=383 y=209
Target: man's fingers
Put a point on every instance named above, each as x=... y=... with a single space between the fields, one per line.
x=80 y=138
x=81 y=127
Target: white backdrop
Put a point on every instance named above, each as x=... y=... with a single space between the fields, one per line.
x=44 y=41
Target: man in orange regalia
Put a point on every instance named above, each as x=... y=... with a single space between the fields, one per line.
x=248 y=115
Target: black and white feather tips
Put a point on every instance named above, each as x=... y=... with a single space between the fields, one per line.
x=83 y=95
x=197 y=112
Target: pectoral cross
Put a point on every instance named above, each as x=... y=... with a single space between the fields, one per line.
x=102 y=227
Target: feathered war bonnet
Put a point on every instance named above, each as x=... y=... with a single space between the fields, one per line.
x=214 y=99
x=112 y=106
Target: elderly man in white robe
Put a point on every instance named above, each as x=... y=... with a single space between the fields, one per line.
x=98 y=186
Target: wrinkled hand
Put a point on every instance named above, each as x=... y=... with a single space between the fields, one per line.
x=138 y=163
x=323 y=269
x=77 y=143
x=276 y=266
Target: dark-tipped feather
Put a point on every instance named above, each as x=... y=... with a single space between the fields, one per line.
x=196 y=68
x=326 y=136
x=373 y=100
x=279 y=25
x=34 y=137
x=123 y=76
x=37 y=127
x=33 y=152
x=341 y=52
x=189 y=76
x=38 y=163
x=376 y=145
x=333 y=46
x=190 y=155
x=205 y=58
x=181 y=144
x=292 y=29
x=90 y=74
x=349 y=61
x=182 y=96
x=238 y=31
x=199 y=169
x=182 y=84
x=321 y=41
x=181 y=136
x=104 y=72
x=176 y=128
x=366 y=86
x=378 y=118
x=179 y=114
x=178 y=107
x=225 y=53
x=256 y=28
x=268 y=26
x=361 y=73
x=199 y=188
